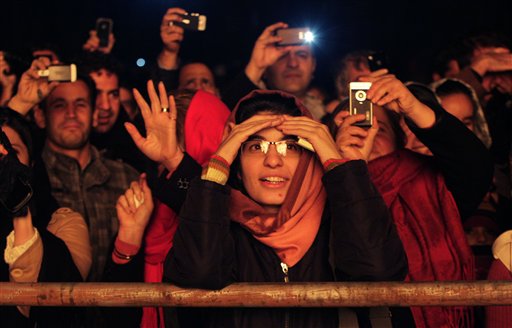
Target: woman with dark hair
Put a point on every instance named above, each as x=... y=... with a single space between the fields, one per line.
x=294 y=210
x=428 y=196
x=459 y=99
x=43 y=243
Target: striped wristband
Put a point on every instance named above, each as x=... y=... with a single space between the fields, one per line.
x=216 y=170
x=333 y=162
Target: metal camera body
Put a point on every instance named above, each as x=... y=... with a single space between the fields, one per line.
x=60 y=73
x=359 y=104
x=294 y=36
x=191 y=22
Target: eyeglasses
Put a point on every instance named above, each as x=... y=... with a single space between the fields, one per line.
x=285 y=148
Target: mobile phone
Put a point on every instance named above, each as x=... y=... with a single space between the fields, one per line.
x=295 y=36
x=192 y=22
x=359 y=104
x=60 y=73
x=377 y=60
x=103 y=30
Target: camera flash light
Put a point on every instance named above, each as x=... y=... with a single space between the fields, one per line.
x=309 y=36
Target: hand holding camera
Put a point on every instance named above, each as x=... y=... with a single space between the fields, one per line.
x=294 y=36
x=101 y=38
x=172 y=36
x=265 y=52
x=389 y=92
x=354 y=142
x=33 y=88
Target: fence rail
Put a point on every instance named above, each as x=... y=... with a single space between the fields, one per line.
x=259 y=294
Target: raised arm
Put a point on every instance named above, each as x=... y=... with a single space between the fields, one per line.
x=461 y=157
x=32 y=88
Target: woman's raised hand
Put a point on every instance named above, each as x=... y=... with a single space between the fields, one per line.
x=161 y=142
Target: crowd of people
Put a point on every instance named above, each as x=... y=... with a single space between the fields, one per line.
x=269 y=179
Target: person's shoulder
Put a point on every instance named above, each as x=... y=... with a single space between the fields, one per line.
x=64 y=216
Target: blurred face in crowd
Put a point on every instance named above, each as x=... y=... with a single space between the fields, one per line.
x=354 y=72
x=68 y=116
x=385 y=140
x=197 y=76
x=460 y=106
x=108 y=102
x=292 y=72
x=480 y=236
x=352 y=69
x=17 y=144
x=267 y=177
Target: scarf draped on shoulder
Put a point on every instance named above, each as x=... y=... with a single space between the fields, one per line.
x=430 y=227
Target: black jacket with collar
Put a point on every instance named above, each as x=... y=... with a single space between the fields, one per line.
x=356 y=235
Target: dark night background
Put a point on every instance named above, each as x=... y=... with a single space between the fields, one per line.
x=410 y=32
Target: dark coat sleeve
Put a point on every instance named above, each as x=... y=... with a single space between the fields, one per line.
x=364 y=242
x=203 y=239
x=461 y=157
x=172 y=191
x=168 y=77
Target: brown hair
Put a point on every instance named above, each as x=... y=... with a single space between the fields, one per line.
x=183 y=98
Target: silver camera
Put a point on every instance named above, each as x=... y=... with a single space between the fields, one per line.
x=359 y=104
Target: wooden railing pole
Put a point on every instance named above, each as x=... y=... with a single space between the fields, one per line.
x=259 y=295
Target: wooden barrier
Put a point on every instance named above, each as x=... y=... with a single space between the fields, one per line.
x=259 y=294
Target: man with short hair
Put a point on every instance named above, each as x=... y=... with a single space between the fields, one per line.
x=109 y=116
x=286 y=68
x=80 y=177
x=108 y=104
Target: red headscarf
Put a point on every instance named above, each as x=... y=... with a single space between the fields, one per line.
x=203 y=129
x=292 y=231
x=429 y=225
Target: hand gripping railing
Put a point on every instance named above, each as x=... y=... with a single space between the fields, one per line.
x=330 y=294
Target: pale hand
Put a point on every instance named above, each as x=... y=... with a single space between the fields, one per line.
x=134 y=210
x=161 y=144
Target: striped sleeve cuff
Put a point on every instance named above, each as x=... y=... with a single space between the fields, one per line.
x=216 y=170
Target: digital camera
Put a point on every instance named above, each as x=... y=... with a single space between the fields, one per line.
x=192 y=22
x=360 y=104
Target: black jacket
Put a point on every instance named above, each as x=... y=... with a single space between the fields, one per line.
x=357 y=235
